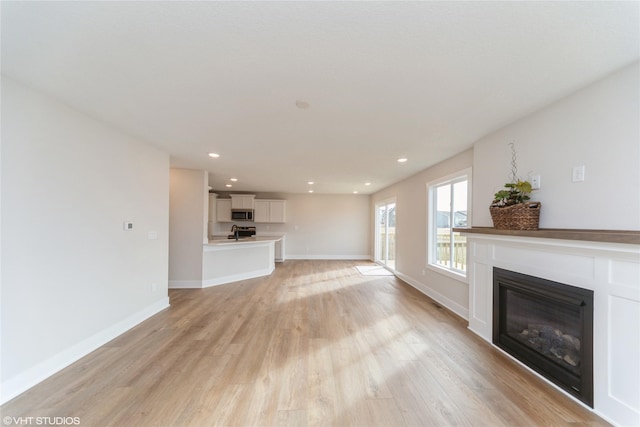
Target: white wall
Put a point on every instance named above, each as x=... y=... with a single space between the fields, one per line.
x=323 y=226
x=319 y=226
x=597 y=127
x=72 y=278
x=189 y=207
x=411 y=234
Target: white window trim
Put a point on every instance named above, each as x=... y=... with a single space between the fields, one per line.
x=454 y=274
x=376 y=243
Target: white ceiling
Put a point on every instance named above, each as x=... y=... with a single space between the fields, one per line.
x=383 y=79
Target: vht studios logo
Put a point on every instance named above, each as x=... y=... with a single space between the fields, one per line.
x=41 y=421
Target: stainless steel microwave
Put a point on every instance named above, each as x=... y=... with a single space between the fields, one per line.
x=242 y=214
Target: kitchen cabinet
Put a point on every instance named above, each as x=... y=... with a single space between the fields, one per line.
x=273 y=211
x=223 y=210
x=278 y=250
x=242 y=201
x=261 y=211
x=277 y=211
x=211 y=224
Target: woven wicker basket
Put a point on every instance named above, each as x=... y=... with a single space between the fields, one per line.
x=523 y=216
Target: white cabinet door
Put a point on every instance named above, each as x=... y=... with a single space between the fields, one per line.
x=223 y=210
x=211 y=224
x=212 y=207
x=277 y=211
x=269 y=211
x=261 y=212
x=279 y=250
x=242 y=201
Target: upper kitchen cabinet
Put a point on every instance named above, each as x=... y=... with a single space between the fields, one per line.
x=223 y=210
x=211 y=224
x=242 y=201
x=270 y=211
x=212 y=206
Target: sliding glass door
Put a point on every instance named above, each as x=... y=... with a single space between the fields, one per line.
x=385 y=244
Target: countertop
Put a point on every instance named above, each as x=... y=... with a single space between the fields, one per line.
x=222 y=241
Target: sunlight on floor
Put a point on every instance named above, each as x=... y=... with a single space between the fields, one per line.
x=373 y=270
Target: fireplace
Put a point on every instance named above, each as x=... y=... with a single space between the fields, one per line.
x=548 y=326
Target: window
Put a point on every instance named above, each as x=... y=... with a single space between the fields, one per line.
x=448 y=208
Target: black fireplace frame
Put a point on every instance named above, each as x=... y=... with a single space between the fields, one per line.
x=580 y=386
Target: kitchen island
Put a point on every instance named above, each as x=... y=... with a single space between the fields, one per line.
x=229 y=260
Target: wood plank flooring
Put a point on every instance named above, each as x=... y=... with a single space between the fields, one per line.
x=314 y=344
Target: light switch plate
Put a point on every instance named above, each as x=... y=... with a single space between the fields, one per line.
x=535 y=182
x=578 y=174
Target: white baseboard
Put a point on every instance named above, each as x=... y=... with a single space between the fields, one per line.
x=237 y=277
x=435 y=295
x=29 y=378
x=330 y=257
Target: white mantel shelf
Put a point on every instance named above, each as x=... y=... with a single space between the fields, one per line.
x=606 y=236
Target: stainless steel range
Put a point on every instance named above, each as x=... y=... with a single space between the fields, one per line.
x=241 y=232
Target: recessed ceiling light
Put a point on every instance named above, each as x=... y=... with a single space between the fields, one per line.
x=233 y=179
x=355 y=192
x=303 y=105
x=310 y=182
x=402 y=159
x=214 y=155
x=228 y=185
x=367 y=183
x=310 y=191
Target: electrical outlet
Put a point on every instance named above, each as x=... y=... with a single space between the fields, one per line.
x=535 y=182
x=578 y=174
x=127 y=226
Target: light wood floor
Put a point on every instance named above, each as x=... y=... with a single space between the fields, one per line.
x=315 y=343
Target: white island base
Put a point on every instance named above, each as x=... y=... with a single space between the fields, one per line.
x=231 y=261
x=228 y=260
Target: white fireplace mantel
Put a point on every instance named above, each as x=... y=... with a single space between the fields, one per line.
x=611 y=270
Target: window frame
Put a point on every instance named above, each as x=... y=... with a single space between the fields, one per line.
x=432 y=186
x=376 y=242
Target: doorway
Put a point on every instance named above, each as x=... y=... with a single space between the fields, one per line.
x=385 y=241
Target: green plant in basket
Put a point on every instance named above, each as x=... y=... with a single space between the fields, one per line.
x=511 y=209
x=514 y=193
